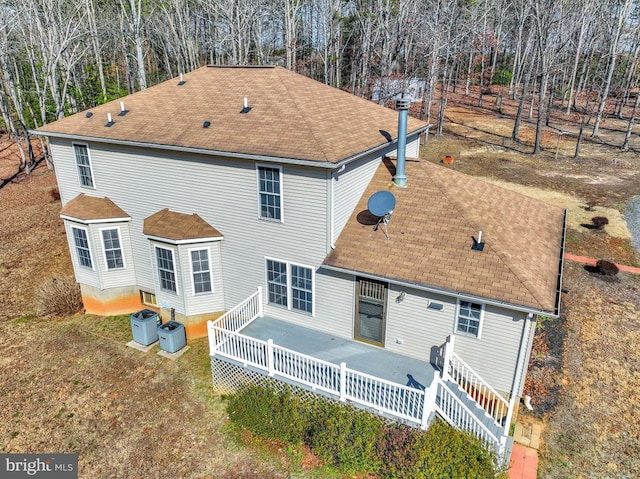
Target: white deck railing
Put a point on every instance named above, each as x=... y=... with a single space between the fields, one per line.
x=236 y=318
x=456 y=413
x=386 y=397
x=476 y=387
x=345 y=384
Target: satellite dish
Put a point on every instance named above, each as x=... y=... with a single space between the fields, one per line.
x=381 y=204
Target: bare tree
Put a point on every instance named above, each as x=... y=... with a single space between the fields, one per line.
x=620 y=10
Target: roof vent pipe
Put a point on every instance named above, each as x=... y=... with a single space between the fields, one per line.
x=478 y=244
x=110 y=121
x=400 y=178
x=245 y=106
x=123 y=110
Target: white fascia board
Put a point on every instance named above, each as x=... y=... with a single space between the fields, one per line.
x=185 y=241
x=96 y=221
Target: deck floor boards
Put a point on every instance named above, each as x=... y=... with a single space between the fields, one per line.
x=362 y=357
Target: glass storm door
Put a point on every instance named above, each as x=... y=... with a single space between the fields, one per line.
x=370 y=311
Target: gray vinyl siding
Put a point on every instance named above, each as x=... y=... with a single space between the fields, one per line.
x=83 y=274
x=413 y=148
x=350 y=184
x=494 y=356
x=525 y=362
x=116 y=277
x=223 y=192
x=204 y=302
x=168 y=299
x=413 y=329
x=100 y=277
x=348 y=187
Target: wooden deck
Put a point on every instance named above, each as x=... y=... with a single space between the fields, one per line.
x=396 y=386
x=360 y=356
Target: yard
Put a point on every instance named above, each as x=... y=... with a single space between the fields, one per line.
x=71 y=384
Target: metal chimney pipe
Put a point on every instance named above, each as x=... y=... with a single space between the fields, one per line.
x=400 y=178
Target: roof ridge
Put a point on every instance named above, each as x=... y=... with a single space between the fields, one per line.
x=299 y=111
x=502 y=255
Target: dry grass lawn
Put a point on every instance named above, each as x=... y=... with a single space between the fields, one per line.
x=72 y=385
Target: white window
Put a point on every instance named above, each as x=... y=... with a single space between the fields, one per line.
x=469 y=321
x=166 y=269
x=277 y=282
x=290 y=285
x=82 y=247
x=270 y=192
x=301 y=288
x=84 y=165
x=112 y=249
x=201 y=271
x=148 y=298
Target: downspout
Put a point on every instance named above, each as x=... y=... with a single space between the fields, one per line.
x=522 y=354
x=333 y=178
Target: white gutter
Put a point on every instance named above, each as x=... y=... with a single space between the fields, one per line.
x=227 y=154
x=95 y=221
x=333 y=179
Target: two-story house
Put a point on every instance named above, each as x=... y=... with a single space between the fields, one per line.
x=256 y=182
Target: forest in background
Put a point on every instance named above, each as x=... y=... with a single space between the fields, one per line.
x=58 y=57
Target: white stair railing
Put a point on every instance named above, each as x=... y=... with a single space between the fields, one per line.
x=456 y=413
x=476 y=387
x=235 y=319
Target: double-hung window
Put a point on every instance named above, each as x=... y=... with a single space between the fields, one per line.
x=270 y=192
x=290 y=285
x=82 y=247
x=112 y=248
x=84 y=165
x=469 y=319
x=201 y=271
x=301 y=288
x=166 y=269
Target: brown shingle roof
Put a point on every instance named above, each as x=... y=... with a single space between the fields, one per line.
x=291 y=116
x=88 y=208
x=431 y=232
x=178 y=226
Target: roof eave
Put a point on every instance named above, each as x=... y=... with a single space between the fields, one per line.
x=561 y=266
x=76 y=219
x=378 y=148
x=229 y=154
x=444 y=291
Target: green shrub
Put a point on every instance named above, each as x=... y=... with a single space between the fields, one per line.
x=357 y=442
x=269 y=414
x=345 y=436
x=452 y=454
x=441 y=452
